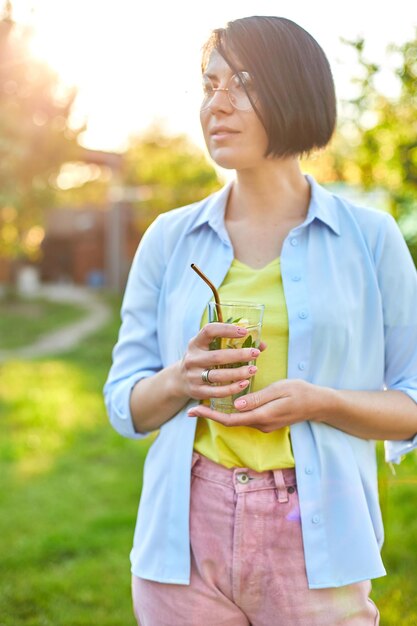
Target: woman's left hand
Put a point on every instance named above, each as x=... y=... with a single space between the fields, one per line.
x=281 y=404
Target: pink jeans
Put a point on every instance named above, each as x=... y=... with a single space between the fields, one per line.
x=247 y=560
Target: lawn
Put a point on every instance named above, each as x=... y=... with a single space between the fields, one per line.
x=22 y=321
x=69 y=488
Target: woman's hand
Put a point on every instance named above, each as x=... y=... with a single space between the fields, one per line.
x=198 y=358
x=282 y=403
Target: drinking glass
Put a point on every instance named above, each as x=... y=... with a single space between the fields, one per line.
x=246 y=315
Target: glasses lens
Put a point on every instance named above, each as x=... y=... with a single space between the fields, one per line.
x=241 y=91
x=208 y=93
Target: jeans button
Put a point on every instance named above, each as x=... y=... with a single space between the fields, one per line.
x=242 y=478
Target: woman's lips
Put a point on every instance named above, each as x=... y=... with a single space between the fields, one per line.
x=222 y=132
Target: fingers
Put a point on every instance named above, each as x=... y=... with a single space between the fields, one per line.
x=228 y=357
x=252 y=401
x=204 y=352
x=227 y=419
x=223 y=391
x=266 y=410
x=197 y=361
x=205 y=392
x=223 y=383
x=224 y=376
x=263 y=420
x=216 y=329
x=229 y=368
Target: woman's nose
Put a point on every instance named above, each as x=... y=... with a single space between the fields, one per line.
x=220 y=99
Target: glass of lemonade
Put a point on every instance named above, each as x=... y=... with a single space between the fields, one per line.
x=246 y=315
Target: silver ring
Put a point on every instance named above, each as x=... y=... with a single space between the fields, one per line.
x=205 y=376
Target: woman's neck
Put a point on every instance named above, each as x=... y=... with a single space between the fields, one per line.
x=277 y=190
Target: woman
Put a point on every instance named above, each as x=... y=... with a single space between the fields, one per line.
x=268 y=515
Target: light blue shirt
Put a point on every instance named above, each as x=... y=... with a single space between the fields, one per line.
x=351 y=293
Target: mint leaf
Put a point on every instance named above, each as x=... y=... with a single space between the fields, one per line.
x=248 y=342
x=215 y=344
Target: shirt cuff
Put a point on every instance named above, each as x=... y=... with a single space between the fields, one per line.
x=118 y=406
x=394 y=450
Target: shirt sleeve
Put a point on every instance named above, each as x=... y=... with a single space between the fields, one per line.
x=398 y=284
x=136 y=354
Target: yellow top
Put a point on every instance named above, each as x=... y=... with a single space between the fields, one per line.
x=242 y=446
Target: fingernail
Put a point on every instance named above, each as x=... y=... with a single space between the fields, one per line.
x=253 y=369
x=191 y=415
x=241 y=331
x=239 y=404
x=255 y=352
x=243 y=384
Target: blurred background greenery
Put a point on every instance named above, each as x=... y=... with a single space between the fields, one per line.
x=69 y=485
x=43 y=166
x=69 y=488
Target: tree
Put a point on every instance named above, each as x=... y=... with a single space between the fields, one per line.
x=376 y=143
x=169 y=172
x=35 y=139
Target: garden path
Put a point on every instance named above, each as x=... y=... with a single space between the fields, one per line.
x=65 y=338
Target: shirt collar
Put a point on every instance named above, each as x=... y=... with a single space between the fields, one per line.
x=323 y=206
x=213 y=210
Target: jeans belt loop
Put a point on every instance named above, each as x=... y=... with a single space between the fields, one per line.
x=282 y=493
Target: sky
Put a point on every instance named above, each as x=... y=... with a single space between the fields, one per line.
x=138 y=62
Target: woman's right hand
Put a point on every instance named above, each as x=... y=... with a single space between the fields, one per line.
x=223 y=381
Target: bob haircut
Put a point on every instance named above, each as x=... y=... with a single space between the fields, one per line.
x=291 y=75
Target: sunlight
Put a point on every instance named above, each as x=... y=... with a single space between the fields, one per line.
x=77 y=174
x=45 y=417
x=134 y=63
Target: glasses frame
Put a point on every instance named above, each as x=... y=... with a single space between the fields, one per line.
x=237 y=75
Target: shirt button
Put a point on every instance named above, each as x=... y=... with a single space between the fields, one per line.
x=303 y=314
x=308 y=469
x=302 y=365
x=315 y=519
x=294 y=241
x=296 y=278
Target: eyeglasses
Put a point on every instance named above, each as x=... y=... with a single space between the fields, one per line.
x=240 y=91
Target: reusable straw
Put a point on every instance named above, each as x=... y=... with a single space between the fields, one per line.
x=212 y=287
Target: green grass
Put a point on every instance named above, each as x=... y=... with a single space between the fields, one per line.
x=22 y=321
x=69 y=489
x=395 y=594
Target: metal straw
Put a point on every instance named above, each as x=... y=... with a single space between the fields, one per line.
x=212 y=287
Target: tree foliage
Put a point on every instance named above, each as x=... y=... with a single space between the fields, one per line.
x=169 y=172
x=376 y=142
x=35 y=139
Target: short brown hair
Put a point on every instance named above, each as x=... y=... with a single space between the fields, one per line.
x=291 y=75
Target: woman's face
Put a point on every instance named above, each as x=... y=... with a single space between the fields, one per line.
x=235 y=139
